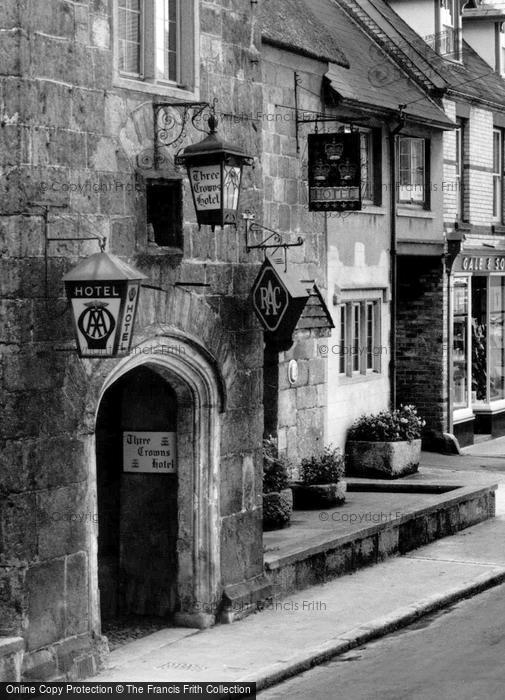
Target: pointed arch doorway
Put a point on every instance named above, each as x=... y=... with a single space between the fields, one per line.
x=158 y=542
x=137 y=511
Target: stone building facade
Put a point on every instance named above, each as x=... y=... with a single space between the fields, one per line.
x=79 y=159
x=93 y=114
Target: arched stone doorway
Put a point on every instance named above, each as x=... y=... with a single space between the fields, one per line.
x=190 y=389
x=137 y=511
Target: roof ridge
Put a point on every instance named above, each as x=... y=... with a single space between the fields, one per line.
x=370 y=26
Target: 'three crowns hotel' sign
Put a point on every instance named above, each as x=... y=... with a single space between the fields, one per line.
x=334 y=172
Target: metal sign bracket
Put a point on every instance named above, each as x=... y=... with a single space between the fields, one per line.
x=272 y=242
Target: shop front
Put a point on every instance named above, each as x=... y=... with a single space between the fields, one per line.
x=478 y=345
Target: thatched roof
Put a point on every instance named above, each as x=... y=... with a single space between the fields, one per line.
x=291 y=25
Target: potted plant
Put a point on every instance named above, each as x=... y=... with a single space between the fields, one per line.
x=277 y=496
x=321 y=484
x=386 y=444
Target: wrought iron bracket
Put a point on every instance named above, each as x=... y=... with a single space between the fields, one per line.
x=171 y=120
x=272 y=242
x=318 y=118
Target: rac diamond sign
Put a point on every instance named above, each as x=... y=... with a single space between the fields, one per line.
x=270 y=299
x=278 y=298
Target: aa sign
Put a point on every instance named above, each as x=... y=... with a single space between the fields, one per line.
x=103 y=291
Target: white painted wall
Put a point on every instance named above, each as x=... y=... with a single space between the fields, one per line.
x=481 y=37
x=419 y=14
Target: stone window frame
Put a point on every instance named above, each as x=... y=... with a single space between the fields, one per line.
x=448 y=30
x=498 y=172
x=461 y=134
x=368 y=299
x=423 y=202
x=187 y=87
x=371 y=165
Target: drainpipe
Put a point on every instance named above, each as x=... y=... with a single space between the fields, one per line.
x=393 y=256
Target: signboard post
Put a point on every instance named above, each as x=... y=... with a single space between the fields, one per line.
x=334 y=172
x=149 y=452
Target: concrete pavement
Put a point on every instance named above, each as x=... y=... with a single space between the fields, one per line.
x=453 y=654
x=323 y=621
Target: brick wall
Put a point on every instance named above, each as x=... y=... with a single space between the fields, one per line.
x=421 y=356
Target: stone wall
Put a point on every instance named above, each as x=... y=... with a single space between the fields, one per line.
x=302 y=405
x=69 y=141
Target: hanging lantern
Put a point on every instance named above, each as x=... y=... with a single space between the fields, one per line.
x=103 y=291
x=215 y=175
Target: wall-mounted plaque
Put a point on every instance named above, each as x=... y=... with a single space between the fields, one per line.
x=149 y=452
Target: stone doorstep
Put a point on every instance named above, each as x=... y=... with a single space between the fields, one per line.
x=11 y=645
x=11 y=658
x=319 y=543
x=70 y=659
x=241 y=599
x=316 y=561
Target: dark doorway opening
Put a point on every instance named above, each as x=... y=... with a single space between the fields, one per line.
x=270 y=389
x=137 y=512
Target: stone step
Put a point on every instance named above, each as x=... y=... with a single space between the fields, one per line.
x=298 y=565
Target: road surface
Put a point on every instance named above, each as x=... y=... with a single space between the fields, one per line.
x=457 y=654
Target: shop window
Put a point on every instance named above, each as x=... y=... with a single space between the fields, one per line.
x=478 y=340
x=413 y=185
x=460 y=352
x=498 y=175
x=496 y=338
x=488 y=350
x=359 y=343
x=164 y=212
x=155 y=41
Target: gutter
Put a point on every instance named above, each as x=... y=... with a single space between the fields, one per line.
x=393 y=256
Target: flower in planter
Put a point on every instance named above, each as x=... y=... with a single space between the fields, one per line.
x=322 y=485
x=325 y=468
x=385 y=444
x=402 y=424
x=277 y=496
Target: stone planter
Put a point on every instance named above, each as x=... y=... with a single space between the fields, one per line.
x=383 y=460
x=277 y=509
x=318 y=495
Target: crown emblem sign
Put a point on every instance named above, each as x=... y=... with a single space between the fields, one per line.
x=321 y=171
x=334 y=150
x=347 y=170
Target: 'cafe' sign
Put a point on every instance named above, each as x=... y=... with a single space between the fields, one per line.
x=482 y=263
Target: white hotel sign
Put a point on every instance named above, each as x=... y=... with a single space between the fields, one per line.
x=149 y=452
